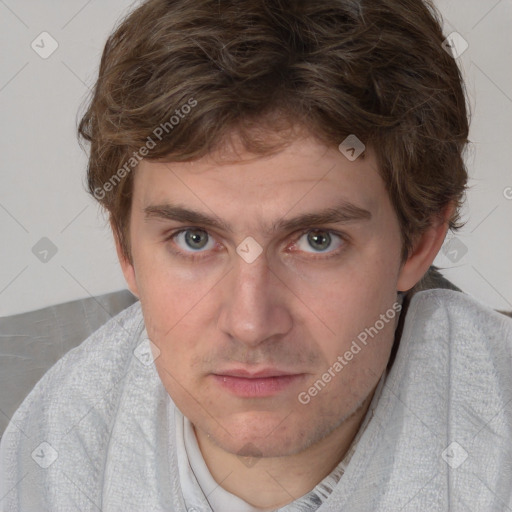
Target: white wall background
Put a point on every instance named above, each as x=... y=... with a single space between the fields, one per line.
x=42 y=168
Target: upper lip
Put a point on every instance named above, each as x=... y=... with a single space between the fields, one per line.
x=266 y=372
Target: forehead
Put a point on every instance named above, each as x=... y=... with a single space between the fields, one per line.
x=304 y=176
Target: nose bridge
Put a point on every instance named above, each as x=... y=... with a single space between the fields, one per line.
x=252 y=309
x=250 y=289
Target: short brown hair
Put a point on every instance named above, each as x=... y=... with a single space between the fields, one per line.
x=373 y=68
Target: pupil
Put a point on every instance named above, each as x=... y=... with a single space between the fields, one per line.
x=193 y=239
x=319 y=240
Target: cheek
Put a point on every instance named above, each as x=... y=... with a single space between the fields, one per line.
x=348 y=299
x=356 y=357
x=356 y=313
x=169 y=290
x=176 y=304
x=168 y=306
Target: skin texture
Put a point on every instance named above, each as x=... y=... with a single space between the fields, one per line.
x=296 y=307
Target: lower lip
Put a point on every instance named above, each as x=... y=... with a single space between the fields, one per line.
x=256 y=387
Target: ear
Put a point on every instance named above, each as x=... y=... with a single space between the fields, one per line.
x=126 y=266
x=425 y=249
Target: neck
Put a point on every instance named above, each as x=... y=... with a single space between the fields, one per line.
x=272 y=482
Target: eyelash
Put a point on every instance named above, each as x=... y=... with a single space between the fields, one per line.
x=199 y=255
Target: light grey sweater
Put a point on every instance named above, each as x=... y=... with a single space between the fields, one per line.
x=98 y=431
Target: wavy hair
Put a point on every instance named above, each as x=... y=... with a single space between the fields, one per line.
x=261 y=68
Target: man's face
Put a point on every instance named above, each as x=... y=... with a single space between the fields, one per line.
x=219 y=311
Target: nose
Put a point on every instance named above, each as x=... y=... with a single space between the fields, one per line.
x=253 y=307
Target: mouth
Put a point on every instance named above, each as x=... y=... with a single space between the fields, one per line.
x=266 y=382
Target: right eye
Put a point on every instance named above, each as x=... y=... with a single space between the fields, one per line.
x=191 y=241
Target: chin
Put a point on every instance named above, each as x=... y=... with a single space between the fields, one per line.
x=251 y=435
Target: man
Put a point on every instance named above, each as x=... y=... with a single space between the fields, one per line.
x=280 y=177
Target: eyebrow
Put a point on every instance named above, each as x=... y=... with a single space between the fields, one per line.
x=342 y=213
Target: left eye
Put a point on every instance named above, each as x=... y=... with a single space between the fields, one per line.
x=319 y=240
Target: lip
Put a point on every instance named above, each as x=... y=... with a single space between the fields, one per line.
x=265 y=372
x=263 y=383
